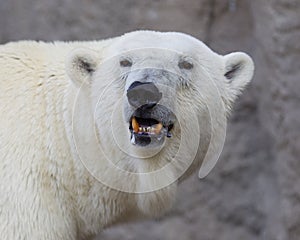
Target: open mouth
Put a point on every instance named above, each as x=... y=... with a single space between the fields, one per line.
x=147 y=130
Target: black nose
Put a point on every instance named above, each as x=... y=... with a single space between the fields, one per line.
x=143 y=94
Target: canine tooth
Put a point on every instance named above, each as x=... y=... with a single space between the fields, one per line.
x=152 y=130
x=135 y=125
x=158 y=128
x=133 y=139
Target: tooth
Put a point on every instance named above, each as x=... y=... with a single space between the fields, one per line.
x=140 y=129
x=132 y=139
x=158 y=128
x=153 y=129
x=135 y=125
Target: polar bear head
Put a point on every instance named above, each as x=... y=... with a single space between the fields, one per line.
x=156 y=101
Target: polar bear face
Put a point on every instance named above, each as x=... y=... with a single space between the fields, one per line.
x=157 y=95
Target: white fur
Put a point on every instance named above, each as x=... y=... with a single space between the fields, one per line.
x=46 y=191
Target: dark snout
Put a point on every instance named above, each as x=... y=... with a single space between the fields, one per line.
x=144 y=95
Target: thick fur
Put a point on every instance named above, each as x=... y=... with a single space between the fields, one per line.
x=46 y=192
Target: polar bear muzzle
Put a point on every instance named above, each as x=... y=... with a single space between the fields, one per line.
x=151 y=121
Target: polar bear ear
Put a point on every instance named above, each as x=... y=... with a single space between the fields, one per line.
x=80 y=65
x=239 y=69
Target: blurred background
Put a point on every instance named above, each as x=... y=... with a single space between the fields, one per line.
x=254 y=191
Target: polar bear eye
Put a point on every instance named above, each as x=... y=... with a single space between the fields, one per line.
x=125 y=63
x=183 y=64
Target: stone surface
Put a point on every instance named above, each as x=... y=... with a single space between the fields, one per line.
x=254 y=191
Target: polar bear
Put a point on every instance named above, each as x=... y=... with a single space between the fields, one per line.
x=98 y=133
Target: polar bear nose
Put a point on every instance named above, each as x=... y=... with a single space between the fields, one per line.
x=143 y=94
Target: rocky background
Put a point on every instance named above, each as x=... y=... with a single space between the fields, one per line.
x=254 y=191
